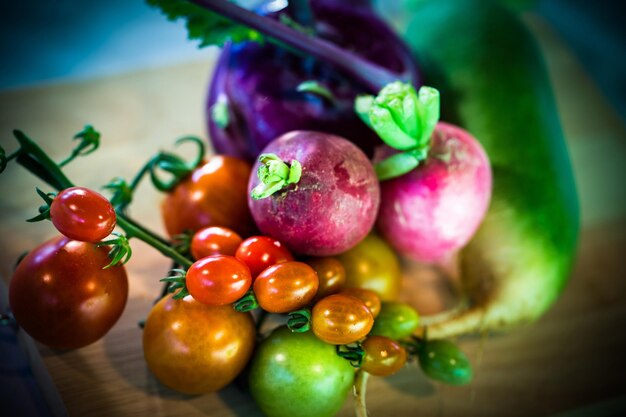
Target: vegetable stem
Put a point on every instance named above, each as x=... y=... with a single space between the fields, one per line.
x=372 y=76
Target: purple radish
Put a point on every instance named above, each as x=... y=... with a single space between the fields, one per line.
x=315 y=192
x=436 y=191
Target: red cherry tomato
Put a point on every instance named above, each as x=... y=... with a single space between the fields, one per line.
x=61 y=296
x=82 y=214
x=331 y=274
x=215 y=194
x=383 y=356
x=260 y=252
x=218 y=280
x=195 y=348
x=286 y=287
x=341 y=319
x=214 y=241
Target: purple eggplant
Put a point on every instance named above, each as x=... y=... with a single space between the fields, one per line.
x=260 y=91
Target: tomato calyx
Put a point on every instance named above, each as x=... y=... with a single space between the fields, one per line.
x=246 y=303
x=176 y=283
x=44 y=209
x=299 y=321
x=352 y=352
x=120 y=251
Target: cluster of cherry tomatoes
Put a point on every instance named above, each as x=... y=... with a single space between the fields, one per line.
x=334 y=314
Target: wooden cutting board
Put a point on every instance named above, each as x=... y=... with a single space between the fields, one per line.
x=570 y=362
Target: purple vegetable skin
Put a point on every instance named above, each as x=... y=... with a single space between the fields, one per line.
x=258 y=83
x=331 y=208
x=435 y=209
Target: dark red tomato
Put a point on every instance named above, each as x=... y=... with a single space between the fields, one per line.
x=214 y=240
x=195 y=348
x=218 y=280
x=369 y=297
x=260 y=252
x=331 y=274
x=82 y=214
x=286 y=287
x=341 y=319
x=61 y=296
x=383 y=356
x=215 y=194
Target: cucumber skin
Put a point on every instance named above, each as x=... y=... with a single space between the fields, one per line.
x=493 y=82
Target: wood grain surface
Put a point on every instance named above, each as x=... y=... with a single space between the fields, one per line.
x=569 y=363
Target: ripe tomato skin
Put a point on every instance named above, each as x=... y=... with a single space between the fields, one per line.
x=61 y=296
x=218 y=280
x=214 y=240
x=369 y=297
x=82 y=214
x=195 y=348
x=215 y=194
x=296 y=374
x=383 y=356
x=331 y=274
x=373 y=264
x=261 y=252
x=286 y=287
x=341 y=319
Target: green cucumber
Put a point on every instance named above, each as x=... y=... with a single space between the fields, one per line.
x=494 y=83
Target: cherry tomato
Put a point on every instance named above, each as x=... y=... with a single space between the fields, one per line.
x=383 y=356
x=369 y=297
x=218 y=280
x=260 y=252
x=395 y=321
x=61 y=295
x=444 y=361
x=372 y=264
x=82 y=214
x=215 y=194
x=214 y=240
x=341 y=319
x=196 y=348
x=331 y=274
x=296 y=374
x=286 y=287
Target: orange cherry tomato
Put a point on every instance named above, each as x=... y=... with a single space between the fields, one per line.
x=218 y=280
x=331 y=274
x=369 y=297
x=196 y=348
x=261 y=252
x=383 y=356
x=82 y=214
x=340 y=319
x=215 y=194
x=214 y=240
x=286 y=287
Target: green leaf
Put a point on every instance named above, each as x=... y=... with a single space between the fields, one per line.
x=274 y=175
x=314 y=87
x=203 y=25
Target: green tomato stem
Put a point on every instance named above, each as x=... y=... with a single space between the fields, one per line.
x=360 y=391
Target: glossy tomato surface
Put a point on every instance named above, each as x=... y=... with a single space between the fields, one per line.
x=296 y=374
x=218 y=280
x=195 y=348
x=373 y=264
x=396 y=321
x=286 y=287
x=341 y=319
x=61 y=295
x=331 y=274
x=261 y=252
x=369 y=297
x=214 y=240
x=82 y=214
x=383 y=356
x=213 y=195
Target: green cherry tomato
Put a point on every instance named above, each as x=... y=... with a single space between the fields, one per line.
x=395 y=321
x=443 y=361
x=296 y=374
x=373 y=265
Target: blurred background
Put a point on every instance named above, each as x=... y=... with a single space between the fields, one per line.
x=65 y=40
